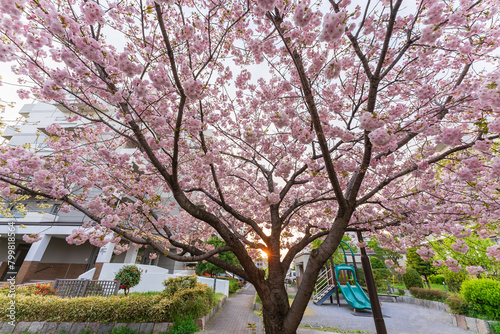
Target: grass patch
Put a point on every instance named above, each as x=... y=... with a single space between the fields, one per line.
x=495 y=327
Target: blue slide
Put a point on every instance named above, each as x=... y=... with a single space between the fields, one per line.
x=354 y=295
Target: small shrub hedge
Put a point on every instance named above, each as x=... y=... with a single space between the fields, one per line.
x=436 y=279
x=483 y=296
x=163 y=307
x=412 y=279
x=458 y=304
x=495 y=327
x=174 y=284
x=380 y=275
x=233 y=285
x=429 y=294
x=454 y=280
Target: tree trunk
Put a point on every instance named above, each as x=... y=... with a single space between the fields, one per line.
x=427 y=282
x=275 y=305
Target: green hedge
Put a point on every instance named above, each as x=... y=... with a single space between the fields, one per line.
x=429 y=294
x=436 y=279
x=483 y=296
x=458 y=304
x=412 y=279
x=163 y=307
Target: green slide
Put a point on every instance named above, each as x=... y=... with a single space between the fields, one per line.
x=354 y=295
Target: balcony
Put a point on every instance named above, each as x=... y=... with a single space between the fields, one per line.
x=30 y=217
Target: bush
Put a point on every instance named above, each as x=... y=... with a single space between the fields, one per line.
x=174 y=284
x=457 y=304
x=184 y=326
x=436 y=279
x=429 y=294
x=45 y=290
x=361 y=276
x=234 y=285
x=380 y=275
x=129 y=276
x=401 y=292
x=377 y=263
x=192 y=302
x=483 y=296
x=412 y=279
x=454 y=280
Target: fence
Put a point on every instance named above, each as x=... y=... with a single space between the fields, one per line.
x=83 y=287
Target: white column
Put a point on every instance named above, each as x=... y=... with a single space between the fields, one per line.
x=37 y=249
x=105 y=253
x=131 y=255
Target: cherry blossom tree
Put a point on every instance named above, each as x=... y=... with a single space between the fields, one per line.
x=268 y=123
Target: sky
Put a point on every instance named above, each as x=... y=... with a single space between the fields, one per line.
x=8 y=93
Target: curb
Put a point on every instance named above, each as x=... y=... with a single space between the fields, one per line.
x=477 y=325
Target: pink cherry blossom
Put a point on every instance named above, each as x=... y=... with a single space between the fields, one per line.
x=31 y=238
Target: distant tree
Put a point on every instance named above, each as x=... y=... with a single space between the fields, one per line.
x=338 y=255
x=471 y=254
x=210 y=268
x=424 y=268
x=384 y=254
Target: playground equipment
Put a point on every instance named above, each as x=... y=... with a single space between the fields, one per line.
x=336 y=277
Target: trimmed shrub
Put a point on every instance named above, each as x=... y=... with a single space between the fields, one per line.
x=483 y=295
x=380 y=275
x=192 y=302
x=457 y=304
x=233 y=285
x=377 y=263
x=436 y=279
x=401 y=292
x=429 y=294
x=129 y=276
x=412 y=279
x=134 y=308
x=174 y=284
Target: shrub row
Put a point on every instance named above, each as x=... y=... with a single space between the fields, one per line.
x=480 y=298
x=483 y=296
x=163 y=307
x=412 y=279
x=429 y=294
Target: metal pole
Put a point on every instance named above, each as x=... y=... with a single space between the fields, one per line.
x=372 y=289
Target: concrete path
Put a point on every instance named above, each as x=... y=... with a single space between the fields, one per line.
x=236 y=314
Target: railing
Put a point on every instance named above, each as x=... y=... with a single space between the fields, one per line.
x=83 y=288
x=324 y=283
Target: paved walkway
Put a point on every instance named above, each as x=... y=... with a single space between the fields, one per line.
x=400 y=318
x=237 y=313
